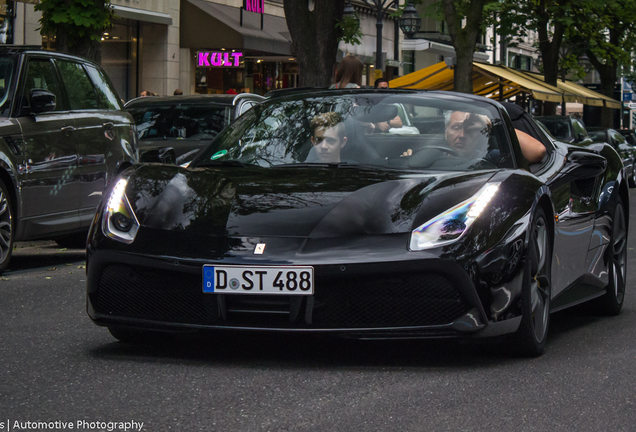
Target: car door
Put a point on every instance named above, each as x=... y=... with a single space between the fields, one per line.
x=103 y=132
x=50 y=191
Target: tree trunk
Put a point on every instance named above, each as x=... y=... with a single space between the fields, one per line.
x=464 y=41
x=607 y=72
x=549 y=25
x=314 y=39
x=85 y=47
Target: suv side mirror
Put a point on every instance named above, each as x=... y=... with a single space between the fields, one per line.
x=42 y=101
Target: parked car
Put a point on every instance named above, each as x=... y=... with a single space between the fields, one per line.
x=620 y=144
x=294 y=219
x=630 y=135
x=569 y=129
x=171 y=128
x=63 y=137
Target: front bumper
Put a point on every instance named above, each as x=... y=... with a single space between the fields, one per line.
x=416 y=298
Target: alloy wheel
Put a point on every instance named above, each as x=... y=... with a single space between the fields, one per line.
x=540 y=282
x=619 y=254
x=5 y=226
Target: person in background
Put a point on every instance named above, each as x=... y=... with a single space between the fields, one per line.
x=382 y=83
x=349 y=74
x=146 y=93
x=178 y=92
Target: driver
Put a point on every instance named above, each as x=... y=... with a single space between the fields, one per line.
x=463 y=131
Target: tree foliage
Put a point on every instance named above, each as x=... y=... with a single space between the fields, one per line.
x=77 y=24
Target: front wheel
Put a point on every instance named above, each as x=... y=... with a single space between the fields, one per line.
x=532 y=334
x=6 y=228
x=612 y=302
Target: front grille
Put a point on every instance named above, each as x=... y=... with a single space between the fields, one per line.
x=380 y=301
x=154 y=295
x=416 y=300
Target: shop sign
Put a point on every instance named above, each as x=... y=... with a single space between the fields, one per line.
x=257 y=6
x=218 y=58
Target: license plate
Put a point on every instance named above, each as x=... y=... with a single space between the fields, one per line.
x=294 y=280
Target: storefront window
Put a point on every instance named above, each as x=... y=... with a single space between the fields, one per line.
x=252 y=76
x=119 y=57
x=6 y=22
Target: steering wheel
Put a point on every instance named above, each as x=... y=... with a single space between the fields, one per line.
x=453 y=151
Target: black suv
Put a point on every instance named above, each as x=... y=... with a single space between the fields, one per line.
x=63 y=137
x=566 y=128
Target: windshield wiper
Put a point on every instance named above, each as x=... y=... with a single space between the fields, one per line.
x=226 y=163
x=316 y=165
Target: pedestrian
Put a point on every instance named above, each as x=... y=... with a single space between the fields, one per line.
x=146 y=93
x=382 y=83
x=178 y=92
x=349 y=74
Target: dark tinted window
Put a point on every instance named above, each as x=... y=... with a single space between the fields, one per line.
x=559 y=129
x=41 y=74
x=7 y=67
x=202 y=122
x=598 y=135
x=79 y=88
x=106 y=95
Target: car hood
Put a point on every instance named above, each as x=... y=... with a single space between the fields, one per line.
x=293 y=202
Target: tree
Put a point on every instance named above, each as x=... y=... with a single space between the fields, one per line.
x=315 y=38
x=464 y=38
x=466 y=22
x=77 y=24
x=607 y=29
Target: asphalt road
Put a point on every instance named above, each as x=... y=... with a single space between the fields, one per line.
x=56 y=366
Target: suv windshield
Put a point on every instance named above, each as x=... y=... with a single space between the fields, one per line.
x=7 y=69
x=180 y=121
x=392 y=130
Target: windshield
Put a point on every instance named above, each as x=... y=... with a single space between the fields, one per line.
x=180 y=121
x=7 y=68
x=393 y=130
x=559 y=129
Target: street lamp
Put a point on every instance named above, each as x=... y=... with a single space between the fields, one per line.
x=409 y=22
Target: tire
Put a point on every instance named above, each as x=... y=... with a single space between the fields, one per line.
x=73 y=241
x=612 y=302
x=7 y=223
x=532 y=334
x=632 y=178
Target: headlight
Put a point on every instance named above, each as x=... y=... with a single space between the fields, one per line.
x=119 y=221
x=449 y=226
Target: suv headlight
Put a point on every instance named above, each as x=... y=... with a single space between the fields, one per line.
x=119 y=221
x=451 y=225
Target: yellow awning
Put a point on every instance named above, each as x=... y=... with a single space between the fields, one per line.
x=427 y=78
x=528 y=84
x=489 y=79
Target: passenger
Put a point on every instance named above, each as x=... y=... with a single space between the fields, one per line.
x=383 y=83
x=327 y=137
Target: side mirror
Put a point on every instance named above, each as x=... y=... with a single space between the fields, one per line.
x=41 y=101
x=582 y=165
x=165 y=155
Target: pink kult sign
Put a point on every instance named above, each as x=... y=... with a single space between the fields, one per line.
x=257 y=6
x=216 y=58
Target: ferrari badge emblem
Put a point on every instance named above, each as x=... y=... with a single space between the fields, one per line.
x=259 y=249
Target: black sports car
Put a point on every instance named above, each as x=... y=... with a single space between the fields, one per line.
x=311 y=214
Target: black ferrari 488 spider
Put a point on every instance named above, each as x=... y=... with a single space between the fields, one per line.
x=369 y=214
